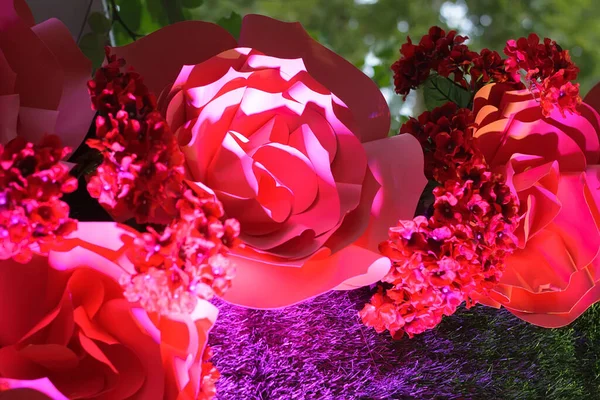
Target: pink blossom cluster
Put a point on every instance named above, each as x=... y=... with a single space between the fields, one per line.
x=456 y=253
x=185 y=260
x=142 y=172
x=549 y=72
x=32 y=182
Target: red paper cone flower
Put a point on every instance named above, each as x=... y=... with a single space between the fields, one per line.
x=552 y=164
x=293 y=141
x=68 y=332
x=43 y=77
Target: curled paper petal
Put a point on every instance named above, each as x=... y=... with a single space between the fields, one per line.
x=73 y=298
x=46 y=74
x=553 y=275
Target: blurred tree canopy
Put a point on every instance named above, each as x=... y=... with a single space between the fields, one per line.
x=369 y=32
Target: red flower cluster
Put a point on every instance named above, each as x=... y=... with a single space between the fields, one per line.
x=32 y=182
x=549 y=72
x=185 y=260
x=446 y=54
x=457 y=253
x=446 y=136
x=142 y=171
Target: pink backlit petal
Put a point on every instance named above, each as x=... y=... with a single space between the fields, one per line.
x=397 y=165
x=231 y=170
x=276 y=199
x=525 y=138
x=183 y=341
x=262 y=285
x=9 y=109
x=290 y=40
x=93 y=350
x=293 y=169
x=41 y=386
x=9 y=77
x=75 y=111
x=208 y=132
x=160 y=56
x=98 y=245
x=39 y=82
x=289 y=68
x=556 y=319
x=35 y=123
x=327 y=211
x=575 y=223
x=116 y=317
x=553 y=264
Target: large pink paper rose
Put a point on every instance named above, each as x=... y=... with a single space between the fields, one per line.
x=43 y=79
x=68 y=332
x=552 y=163
x=293 y=140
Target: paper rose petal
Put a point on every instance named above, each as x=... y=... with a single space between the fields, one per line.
x=35 y=389
x=74 y=118
x=45 y=75
x=24 y=12
x=39 y=80
x=262 y=285
x=159 y=56
x=395 y=163
x=592 y=98
x=290 y=40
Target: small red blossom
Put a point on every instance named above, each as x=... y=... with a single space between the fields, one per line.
x=142 y=172
x=447 y=55
x=185 y=260
x=457 y=254
x=446 y=135
x=549 y=72
x=32 y=216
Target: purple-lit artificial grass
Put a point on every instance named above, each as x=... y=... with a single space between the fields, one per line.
x=320 y=350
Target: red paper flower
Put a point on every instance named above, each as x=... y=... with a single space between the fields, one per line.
x=290 y=149
x=68 y=332
x=551 y=163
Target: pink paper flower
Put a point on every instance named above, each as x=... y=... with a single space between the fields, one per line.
x=43 y=79
x=293 y=141
x=553 y=164
x=68 y=332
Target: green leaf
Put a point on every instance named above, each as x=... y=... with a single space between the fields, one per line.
x=157 y=13
x=130 y=12
x=174 y=11
x=439 y=90
x=232 y=24
x=98 y=23
x=87 y=163
x=191 y=3
x=92 y=46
